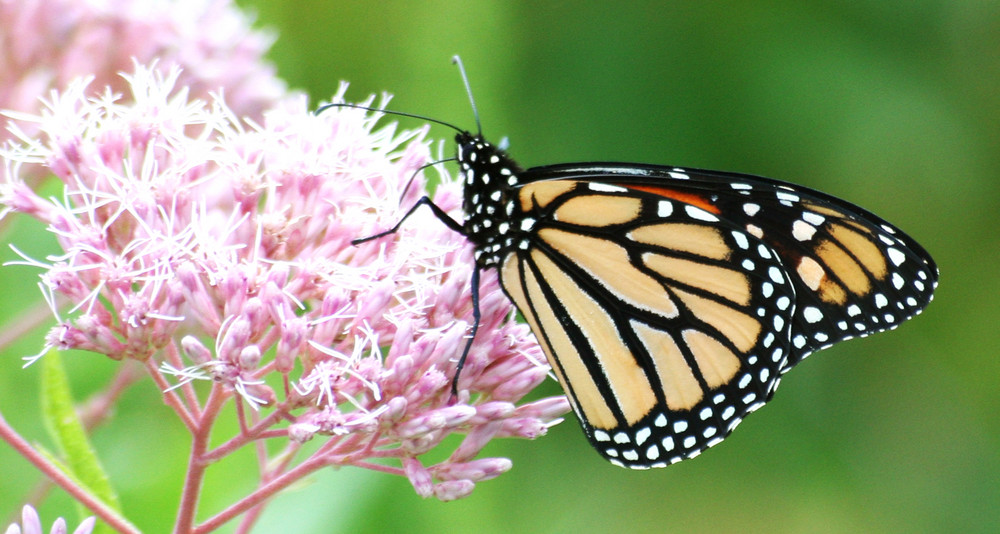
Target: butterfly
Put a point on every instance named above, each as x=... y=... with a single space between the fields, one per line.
x=669 y=301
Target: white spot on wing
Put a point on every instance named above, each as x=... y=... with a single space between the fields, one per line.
x=741 y=240
x=664 y=208
x=697 y=213
x=776 y=275
x=896 y=256
x=642 y=435
x=814 y=219
x=786 y=196
x=605 y=188
x=812 y=314
x=802 y=230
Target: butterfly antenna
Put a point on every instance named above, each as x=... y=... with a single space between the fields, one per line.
x=468 y=89
x=325 y=107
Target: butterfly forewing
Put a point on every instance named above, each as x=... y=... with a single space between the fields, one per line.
x=854 y=273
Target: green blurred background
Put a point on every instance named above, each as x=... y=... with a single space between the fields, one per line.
x=890 y=104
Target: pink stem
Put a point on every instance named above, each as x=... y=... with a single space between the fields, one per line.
x=106 y=514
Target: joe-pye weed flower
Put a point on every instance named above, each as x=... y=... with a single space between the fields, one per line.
x=32 y=524
x=216 y=254
x=47 y=43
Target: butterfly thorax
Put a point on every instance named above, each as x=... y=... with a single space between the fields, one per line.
x=493 y=220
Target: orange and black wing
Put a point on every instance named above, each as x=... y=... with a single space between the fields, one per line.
x=669 y=301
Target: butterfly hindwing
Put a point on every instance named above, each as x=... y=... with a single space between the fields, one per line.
x=665 y=324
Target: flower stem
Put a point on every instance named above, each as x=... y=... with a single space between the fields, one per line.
x=101 y=510
x=197 y=465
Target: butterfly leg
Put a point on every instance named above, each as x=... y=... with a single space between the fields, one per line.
x=425 y=200
x=456 y=226
x=476 y=315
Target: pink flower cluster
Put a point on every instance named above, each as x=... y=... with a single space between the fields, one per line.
x=47 y=43
x=210 y=248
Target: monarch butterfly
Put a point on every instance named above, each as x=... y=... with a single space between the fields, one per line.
x=669 y=301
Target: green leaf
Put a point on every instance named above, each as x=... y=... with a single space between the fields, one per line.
x=67 y=431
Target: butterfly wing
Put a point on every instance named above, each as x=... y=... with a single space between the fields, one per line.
x=665 y=324
x=854 y=273
x=669 y=301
